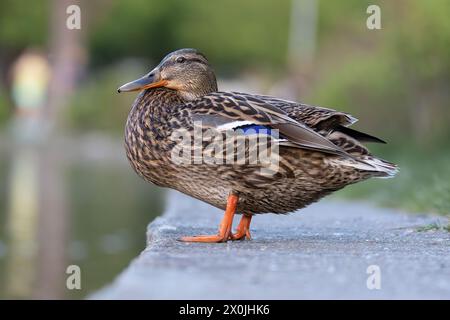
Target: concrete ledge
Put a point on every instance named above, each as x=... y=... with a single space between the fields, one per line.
x=320 y=252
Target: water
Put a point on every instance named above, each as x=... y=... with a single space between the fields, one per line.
x=102 y=210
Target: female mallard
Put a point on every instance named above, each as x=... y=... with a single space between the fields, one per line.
x=314 y=150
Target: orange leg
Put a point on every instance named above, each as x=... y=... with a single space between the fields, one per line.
x=225 y=226
x=243 y=229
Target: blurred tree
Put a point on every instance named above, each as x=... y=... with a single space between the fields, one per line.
x=397 y=76
x=232 y=33
x=136 y=28
x=422 y=53
x=23 y=24
x=237 y=34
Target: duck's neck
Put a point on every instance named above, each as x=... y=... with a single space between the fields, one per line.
x=150 y=113
x=157 y=100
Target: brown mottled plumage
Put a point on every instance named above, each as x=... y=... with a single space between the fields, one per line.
x=318 y=154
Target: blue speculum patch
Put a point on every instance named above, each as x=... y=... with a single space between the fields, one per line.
x=258 y=129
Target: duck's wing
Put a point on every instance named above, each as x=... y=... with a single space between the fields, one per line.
x=229 y=110
x=322 y=120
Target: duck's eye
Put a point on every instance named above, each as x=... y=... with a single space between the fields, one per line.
x=180 y=59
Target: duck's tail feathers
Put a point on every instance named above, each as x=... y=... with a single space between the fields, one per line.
x=378 y=168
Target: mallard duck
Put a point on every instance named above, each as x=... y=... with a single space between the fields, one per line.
x=316 y=151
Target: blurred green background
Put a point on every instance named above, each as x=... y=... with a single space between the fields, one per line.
x=395 y=80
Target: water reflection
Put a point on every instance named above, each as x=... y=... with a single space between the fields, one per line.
x=60 y=208
x=21 y=224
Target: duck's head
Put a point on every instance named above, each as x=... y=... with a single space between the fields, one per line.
x=186 y=71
